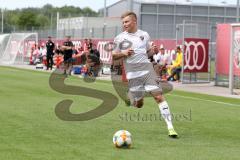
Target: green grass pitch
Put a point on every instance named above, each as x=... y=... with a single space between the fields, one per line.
x=29 y=129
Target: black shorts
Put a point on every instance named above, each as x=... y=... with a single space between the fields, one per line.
x=68 y=59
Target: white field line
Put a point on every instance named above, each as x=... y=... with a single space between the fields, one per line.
x=194 y=98
x=201 y=99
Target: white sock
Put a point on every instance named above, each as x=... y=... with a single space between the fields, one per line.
x=165 y=112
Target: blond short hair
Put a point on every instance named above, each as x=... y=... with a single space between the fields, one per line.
x=129 y=13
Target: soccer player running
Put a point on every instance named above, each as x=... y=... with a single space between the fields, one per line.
x=134 y=47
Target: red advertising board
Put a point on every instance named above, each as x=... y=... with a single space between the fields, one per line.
x=106 y=56
x=236 y=50
x=196 y=57
x=223 y=47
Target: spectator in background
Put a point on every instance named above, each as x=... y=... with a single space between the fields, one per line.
x=93 y=60
x=85 y=45
x=50 y=52
x=58 y=50
x=90 y=44
x=176 y=67
x=93 y=50
x=165 y=59
x=150 y=58
x=58 y=57
x=156 y=55
x=156 y=59
x=41 y=51
x=31 y=55
x=90 y=57
x=79 y=50
x=67 y=49
x=44 y=54
x=35 y=54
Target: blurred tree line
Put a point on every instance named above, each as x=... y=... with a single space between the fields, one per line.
x=29 y=19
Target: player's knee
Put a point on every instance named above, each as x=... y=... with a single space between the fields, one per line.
x=139 y=103
x=159 y=98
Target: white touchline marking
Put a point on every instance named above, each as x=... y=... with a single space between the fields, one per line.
x=193 y=98
x=207 y=100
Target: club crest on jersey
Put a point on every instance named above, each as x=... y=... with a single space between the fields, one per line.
x=142 y=38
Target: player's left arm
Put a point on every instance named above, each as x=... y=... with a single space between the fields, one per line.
x=150 y=51
x=149 y=46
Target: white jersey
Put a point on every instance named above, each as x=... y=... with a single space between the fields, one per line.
x=165 y=59
x=157 y=57
x=137 y=64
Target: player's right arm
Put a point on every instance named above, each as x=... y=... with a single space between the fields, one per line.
x=122 y=54
x=118 y=53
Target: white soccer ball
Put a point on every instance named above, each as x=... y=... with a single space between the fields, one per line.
x=122 y=139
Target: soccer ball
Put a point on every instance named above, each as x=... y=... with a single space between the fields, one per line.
x=122 y=139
